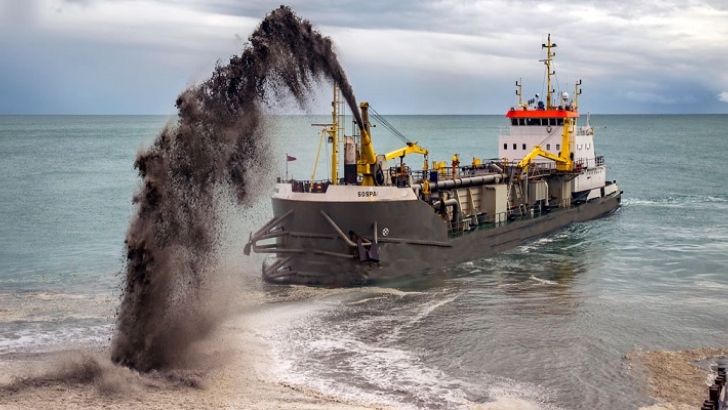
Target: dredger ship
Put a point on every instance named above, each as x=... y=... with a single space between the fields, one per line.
x=381 y=222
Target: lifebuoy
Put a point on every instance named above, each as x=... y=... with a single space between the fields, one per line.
x=548 y=129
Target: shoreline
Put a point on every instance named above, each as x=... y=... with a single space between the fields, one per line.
x=235 y=368
x=227 y=370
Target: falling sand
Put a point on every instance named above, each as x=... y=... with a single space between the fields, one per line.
x=229 y=375
x=174 y=295
x=172 y=298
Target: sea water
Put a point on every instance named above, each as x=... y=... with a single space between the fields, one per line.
x=545 y=325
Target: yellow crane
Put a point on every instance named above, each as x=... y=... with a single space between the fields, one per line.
x=563 y=161
x=410 y=148
x=368 y=156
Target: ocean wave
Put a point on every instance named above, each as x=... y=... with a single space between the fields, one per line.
x=367 y=360
x=710 y=284
x=40 y=337
x=54 y=296
x=393 y=377
x=365 y=300
x=543 y=281
x=55 y=307
x=676 y=201
x=324 y=295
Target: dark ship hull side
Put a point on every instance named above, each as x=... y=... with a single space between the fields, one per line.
x=410 y=239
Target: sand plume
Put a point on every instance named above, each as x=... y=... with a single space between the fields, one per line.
x=172 y=244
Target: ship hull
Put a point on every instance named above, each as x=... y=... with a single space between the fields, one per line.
x=400 y=239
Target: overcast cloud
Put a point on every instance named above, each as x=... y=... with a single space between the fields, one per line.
x=406 y=57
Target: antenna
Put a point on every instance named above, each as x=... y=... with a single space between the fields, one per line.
x=577 y=93
x=549 y=55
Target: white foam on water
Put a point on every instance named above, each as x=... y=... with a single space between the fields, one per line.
x=543 y=281
x=710 y=284
x=344 y=361
x=420 y=313
x=539 y=243
x=677 y=202
x=365 y=300
x=508 y=285
x=37 y=337
x=55 y=306
x=507 y=403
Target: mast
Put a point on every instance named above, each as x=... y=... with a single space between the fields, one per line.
x=549 y=55
x=336 y=132
x=577 y=93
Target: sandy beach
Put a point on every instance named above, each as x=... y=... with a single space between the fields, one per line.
x=228 y=370
x=232 y=370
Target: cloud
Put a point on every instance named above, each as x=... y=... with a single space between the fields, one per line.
x=648 y=97
x=723 y=96
x=650 y=54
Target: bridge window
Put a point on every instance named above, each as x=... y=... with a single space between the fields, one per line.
x=559 y=121
x=533 y=121
x=521 y=121
x=552 y=121
x=514 y=121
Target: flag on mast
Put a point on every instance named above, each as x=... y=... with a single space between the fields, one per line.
x=288 y=159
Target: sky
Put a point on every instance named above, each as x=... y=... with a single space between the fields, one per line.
x=131 y=57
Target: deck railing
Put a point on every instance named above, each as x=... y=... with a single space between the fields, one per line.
x=470 y=223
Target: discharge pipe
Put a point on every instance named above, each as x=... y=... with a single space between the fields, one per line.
x=442 y=204
x=462 y=182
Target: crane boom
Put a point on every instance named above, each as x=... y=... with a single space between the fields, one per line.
x=410 y=148
x=563 y=161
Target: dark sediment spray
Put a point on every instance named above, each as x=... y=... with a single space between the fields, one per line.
x=217 y=140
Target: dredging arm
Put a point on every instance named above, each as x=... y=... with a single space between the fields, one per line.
x=365 y=165
x=368 y=156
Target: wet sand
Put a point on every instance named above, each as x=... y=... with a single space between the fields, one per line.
x=235 y=368
x=675 y=378
x=230 y=371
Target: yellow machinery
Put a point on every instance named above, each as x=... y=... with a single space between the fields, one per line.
x=367 y=155
x=335 y=132
x=410 y=148
x=563 y=162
